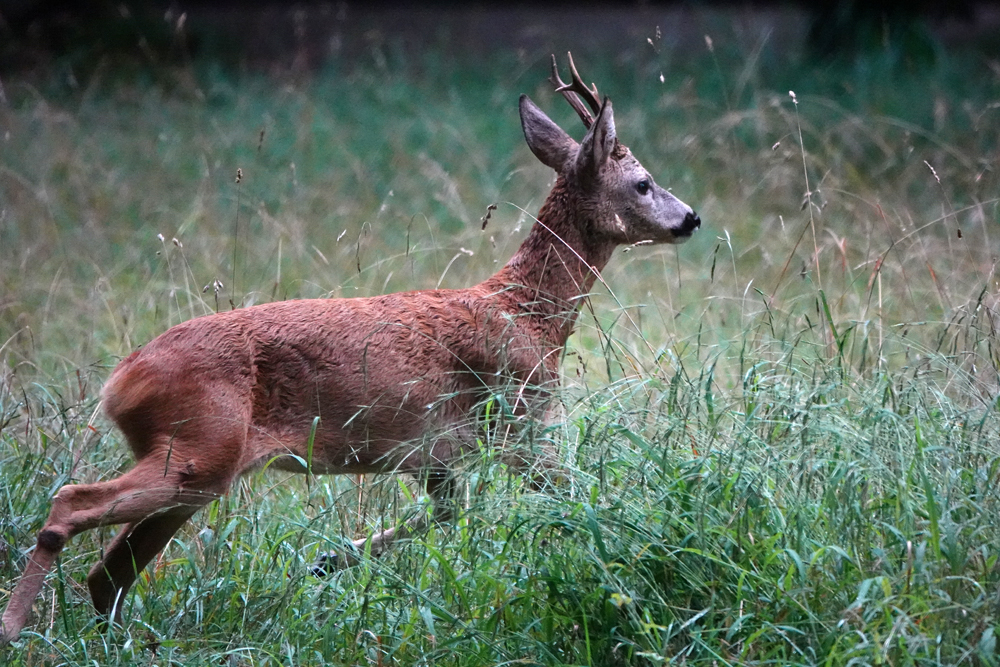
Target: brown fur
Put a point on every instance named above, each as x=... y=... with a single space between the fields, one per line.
x=392 y=378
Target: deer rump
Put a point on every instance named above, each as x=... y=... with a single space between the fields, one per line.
x=392 y=379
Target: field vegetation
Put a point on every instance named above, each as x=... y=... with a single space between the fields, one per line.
x=781 y=440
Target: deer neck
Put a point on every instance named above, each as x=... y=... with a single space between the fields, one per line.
x=557 y=264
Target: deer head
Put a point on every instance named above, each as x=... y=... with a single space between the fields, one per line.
x=625 y=203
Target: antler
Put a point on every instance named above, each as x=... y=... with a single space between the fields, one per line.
x=577 y=92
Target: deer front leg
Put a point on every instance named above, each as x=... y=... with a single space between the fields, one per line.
x=528 y=450
x=441 y=487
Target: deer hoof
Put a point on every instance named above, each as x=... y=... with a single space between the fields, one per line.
x=331 y=561
x=325 y=564
x=7 y=636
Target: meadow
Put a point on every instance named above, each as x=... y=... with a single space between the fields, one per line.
x=781 y=440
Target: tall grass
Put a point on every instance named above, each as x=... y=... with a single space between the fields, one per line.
x=779 y=440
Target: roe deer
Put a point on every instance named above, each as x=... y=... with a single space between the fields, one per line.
x=391 y=378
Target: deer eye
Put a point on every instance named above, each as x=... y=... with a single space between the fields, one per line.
x=642 y=187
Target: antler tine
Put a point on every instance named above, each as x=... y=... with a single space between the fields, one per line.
x=590 y=95
x=577 y=92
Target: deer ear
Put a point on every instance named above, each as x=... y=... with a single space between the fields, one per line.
x=596 y=147
x=550 y=144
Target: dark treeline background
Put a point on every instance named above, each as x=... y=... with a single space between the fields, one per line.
x=302 y=36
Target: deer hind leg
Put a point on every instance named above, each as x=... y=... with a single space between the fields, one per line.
x=143 y=492
x=440 y=485
x=131 y=550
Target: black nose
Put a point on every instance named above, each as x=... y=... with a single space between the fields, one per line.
x=691 y=222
